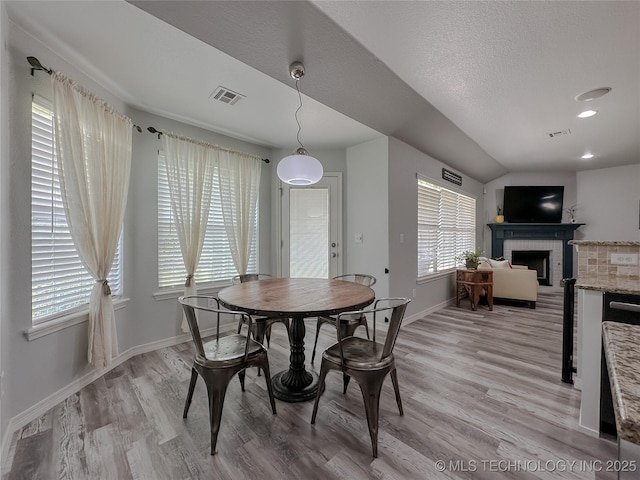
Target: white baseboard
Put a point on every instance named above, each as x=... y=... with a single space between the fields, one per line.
x=43 y=406
x=423 y=313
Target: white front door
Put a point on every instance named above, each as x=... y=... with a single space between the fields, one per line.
x=311 y=229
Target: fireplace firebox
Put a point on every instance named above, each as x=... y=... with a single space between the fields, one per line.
x=537 y=260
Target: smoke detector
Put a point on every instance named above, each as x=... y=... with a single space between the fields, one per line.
x=225 y=95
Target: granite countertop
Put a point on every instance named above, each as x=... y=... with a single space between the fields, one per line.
x=609 y=283
x=604 y=243
x=622 y=351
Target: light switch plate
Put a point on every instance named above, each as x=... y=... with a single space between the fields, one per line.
x=624 y=259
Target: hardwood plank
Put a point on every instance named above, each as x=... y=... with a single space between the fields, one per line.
x=476 y=387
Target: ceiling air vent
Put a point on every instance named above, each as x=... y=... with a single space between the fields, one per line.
x=224 y=95
x=559 y=133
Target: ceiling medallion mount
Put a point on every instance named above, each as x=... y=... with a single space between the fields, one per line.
x=296 y=70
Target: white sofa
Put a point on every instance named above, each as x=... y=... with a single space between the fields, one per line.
x=514 y=282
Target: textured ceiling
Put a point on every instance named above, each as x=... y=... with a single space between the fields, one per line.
x=507 y=73
x=477 y=85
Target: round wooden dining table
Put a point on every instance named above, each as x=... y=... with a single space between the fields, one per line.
x=297 y=299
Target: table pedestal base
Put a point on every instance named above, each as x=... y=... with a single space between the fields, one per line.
x=296 y=384
x=283 y=390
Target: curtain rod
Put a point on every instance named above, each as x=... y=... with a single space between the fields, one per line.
x=155 y=130
x=36 y=65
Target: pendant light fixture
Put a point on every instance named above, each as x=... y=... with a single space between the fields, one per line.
x=299 y=168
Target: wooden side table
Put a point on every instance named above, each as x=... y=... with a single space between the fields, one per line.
x=475 y=283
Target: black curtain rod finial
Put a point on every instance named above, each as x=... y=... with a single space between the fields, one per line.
x=153 y=130
x=138 y=128
x=36 y=65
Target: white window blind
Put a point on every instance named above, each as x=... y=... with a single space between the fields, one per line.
x=216 y=263
x=309 y=233
x=446 y=227
x=59 y=281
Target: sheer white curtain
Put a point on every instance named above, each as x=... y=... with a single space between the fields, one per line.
x=239 y=186
x=190 y=172
x=93 y=146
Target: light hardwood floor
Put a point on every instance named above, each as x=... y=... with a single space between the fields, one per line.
x=481 y=391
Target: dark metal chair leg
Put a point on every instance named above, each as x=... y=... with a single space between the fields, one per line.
x=315 y=344
x=241 y=378
x=345 y=382
x=259 y=329
x=216 y=389
x=267 y=336
x=323 y=373
x=371 y=386
x=396 y=388
x=192 y=386
x=267 y=379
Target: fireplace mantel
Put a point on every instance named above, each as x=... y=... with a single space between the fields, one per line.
x=536 y=231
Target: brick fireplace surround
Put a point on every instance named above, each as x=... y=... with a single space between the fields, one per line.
x=553 y=237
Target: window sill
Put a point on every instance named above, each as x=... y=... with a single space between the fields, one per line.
x=432 y=277
x=174 y=293
x=66 y=321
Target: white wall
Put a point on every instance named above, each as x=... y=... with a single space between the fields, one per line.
x=39 y=368
x=34 y=370
x=404 y=163
x=608 y=203
x=366 y=212
x=495 y=193
x=4 y=198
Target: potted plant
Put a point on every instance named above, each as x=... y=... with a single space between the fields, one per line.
x=499 y=218
x=471 y=258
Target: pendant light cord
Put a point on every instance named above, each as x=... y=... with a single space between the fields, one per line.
x=298 y=110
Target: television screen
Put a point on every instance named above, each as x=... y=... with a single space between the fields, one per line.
x=533 y=204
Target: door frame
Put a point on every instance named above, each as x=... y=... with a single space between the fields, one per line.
x=280 y=240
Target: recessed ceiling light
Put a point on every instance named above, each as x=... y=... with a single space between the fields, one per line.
x=592 y=94
x=587 y=113
x=587 y=156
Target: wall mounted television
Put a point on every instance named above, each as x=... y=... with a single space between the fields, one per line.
x=533 y=204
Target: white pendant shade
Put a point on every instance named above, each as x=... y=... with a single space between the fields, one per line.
x=299 y=169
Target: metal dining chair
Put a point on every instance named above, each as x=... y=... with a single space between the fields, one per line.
x=218 y=360
x=261 y=325
x=348 y=323
x=367 y=361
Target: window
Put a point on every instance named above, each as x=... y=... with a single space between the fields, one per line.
x=216 y=263
x=446 y=227
x=59 y=281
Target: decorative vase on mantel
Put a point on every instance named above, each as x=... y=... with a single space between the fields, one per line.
x=499 y=218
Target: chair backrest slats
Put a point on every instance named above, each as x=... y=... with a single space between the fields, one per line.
x=190 y=305
x=393 y=307
x=397 y=315
x=361 y=278
x=249 y=277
